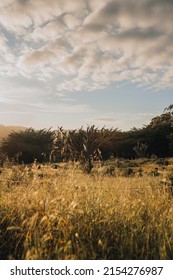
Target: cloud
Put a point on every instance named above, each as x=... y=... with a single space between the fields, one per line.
x=106 y=120
x=50 y=31
x=27 y=102
x=122 y=120
x=88 y=44
x=5 y=54
x=49 y=54
x=125 y=14
x=17 y=15
x=71 y=21
x=65 y=108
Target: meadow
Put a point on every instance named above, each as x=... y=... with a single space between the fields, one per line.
x=122 y=210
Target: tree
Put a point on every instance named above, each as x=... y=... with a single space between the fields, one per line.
x=26 y=146
x=169 y=108
x=158 y=134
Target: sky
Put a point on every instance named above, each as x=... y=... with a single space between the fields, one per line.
x=76 y=63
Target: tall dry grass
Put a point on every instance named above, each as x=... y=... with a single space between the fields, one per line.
x=64 y=214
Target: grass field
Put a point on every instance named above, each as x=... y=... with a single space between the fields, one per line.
x=122 y=210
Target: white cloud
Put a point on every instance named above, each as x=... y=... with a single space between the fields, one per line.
x=50 y=31
x=88 y=43
x=71 y=21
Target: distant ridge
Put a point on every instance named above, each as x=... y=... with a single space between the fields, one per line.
x=6 y=130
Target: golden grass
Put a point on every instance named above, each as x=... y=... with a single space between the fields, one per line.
x=65 y=214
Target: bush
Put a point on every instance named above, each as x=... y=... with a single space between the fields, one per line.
x=26 y=146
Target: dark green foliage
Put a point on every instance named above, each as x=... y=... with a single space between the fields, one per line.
x=26 y=146
x=170 y=139
x=157 y=137
x=158 y=134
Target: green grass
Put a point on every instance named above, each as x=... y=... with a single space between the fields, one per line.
x=65 y=214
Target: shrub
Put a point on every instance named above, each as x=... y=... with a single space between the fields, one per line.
x=26 y=146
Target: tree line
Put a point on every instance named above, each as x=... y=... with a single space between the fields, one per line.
x=87 y=145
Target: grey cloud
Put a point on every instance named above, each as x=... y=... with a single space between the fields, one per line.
x=143 y=13
x=23 y=2
x=154 y=4
x=48 y=54
x=93 y=27
x=39 y=57
x=140 y=34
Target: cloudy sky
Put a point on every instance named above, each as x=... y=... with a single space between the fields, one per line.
x=71 y=63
